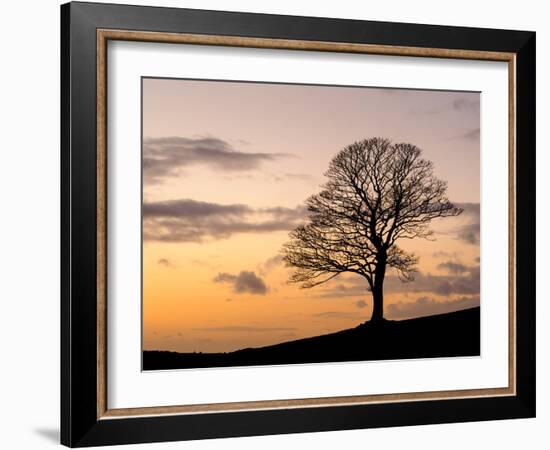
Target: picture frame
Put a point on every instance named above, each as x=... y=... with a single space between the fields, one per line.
x=86 y=29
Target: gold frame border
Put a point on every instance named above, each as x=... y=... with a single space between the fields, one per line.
x=103 y=36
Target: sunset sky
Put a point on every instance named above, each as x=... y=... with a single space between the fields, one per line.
x=226 y=169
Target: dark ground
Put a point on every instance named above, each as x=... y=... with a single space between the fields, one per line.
x=444 y=335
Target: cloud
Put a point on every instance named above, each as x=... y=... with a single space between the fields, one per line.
x=425 y=306
x=443 y=254
x=466 y=104
x=470 y=231
x=453 y=267
x=458 y=105
x=270 y=263
x=455 y=282
x=463 y=283
x=300 y=177
x=187 y=220
x=246 y=329
x=360 y=304
x=165 y=262
x=337 y=315
x=191 y=208
x=346 y=286
x=244 y=283
x=166 y=156
x=470 y=135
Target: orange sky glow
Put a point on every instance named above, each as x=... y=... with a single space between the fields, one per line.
x=226 y=169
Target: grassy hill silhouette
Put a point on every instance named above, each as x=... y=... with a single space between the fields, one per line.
x=443 y=335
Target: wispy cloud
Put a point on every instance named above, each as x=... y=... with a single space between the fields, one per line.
x=459 y=280
x=453 y=267
x=360 y=304
x=444 y=254
x=300 y=177
x=245 y=329
x=191 y=208
x=269 y=264
x=166 y=156
x=165 y=262
x=470 y=231
x=470 y=135
x=189 y=220
x=465 y=282
x=244 y=283
x=464 y=103
x=426 y=306
x=338 y=315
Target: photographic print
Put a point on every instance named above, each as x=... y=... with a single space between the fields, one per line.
x=299 y=224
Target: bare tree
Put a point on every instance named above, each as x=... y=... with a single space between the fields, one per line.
x=377 y=193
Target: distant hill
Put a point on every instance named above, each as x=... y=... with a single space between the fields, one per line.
x=443 y=335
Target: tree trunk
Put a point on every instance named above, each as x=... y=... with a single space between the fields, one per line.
x=378 y=288
x=378 y=304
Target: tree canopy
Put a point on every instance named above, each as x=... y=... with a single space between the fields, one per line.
x=377 y=193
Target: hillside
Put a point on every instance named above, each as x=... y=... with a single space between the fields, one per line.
x=444 y=335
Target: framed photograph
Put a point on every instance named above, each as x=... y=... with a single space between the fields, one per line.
x=277 y=224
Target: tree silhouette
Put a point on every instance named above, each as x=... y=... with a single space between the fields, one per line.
x=377 y=193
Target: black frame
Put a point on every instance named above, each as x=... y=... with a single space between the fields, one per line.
x=79 y=423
